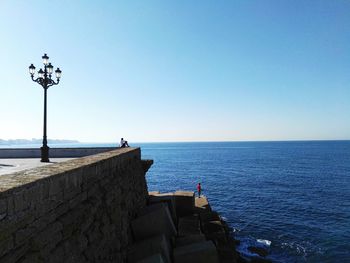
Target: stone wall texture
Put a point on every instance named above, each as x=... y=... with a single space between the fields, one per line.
x=74 y=211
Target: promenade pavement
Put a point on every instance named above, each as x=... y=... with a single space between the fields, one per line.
x=8 y=166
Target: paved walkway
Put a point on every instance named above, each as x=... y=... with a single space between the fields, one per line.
x=8 y=166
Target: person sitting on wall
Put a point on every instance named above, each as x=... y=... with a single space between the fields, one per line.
x=123 y=143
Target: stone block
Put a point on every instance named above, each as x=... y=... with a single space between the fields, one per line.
x=167 y=198
x=2 y=216
x=190 y=239
x=56 y=255
x=93 y=233
x=32 y=195
x=189 y=225
x=150 y=208
x=46 y=236
x=56 y=185
x=157 y=258
x=77 y=200
x=200 y=252
x=209 y=216
x=22 y=234
x=3 y=206
x=44 y=189
x=184 y=203
x=227 y=253
x=71 y=217
x=74 y=180
x=156 y=193
x=10 y=224
x=216 y=231
x=68 y=194
x=146 y=164
x=10 y=206
x=154 y=223
x=19 y=202
x=59 y=211
x=87 y=223
x=213 y=226
x=31 y=257
x=149 y=247
x=153 y=193
x=202 y=204
x=16 y=254
x=6 y=245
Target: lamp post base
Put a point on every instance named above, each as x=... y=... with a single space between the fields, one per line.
x=45 y=154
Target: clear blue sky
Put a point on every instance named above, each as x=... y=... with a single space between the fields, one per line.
x=178 y=70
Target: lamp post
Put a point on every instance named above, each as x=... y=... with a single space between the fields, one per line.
x=45 y=80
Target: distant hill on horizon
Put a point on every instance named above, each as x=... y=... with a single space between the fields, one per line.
x=34 y=141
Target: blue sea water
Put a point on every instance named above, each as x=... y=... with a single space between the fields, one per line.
x=292 y=198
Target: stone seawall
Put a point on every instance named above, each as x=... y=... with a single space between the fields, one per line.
x=74 y=211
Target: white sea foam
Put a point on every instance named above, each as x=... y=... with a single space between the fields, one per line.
x=234 y=230
x=299 y=248
x=243 y=247
x=264 y=242
x=250 y=242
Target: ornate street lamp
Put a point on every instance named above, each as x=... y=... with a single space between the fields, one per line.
x=45 y=80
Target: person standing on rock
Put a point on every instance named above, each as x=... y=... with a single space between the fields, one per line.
x=199 y=189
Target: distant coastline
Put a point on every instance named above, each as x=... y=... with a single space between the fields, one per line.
x=34 y=141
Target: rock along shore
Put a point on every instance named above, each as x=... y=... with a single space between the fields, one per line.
x=179 y=227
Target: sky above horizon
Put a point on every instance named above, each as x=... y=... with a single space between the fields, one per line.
x=153 y=71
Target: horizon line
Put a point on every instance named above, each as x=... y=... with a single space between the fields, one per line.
x=288 y=140
x=75 y=141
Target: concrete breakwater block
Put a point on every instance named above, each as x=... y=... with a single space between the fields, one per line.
x=167 y=198
x=150 y=208
x=213 y=226
x=202 y=204
x=155 y=248
x=200 y=252
x=227 y=253
x=153 y=192
x=184 y=203
x=209 y=216
x=190 y=239
x=157 y=258
x=155 y=222
x=189 y=225
x=203 y=236
x=216 y=231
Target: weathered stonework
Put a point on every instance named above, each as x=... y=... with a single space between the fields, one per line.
x=74 y=211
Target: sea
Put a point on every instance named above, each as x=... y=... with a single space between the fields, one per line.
x=291 y=198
